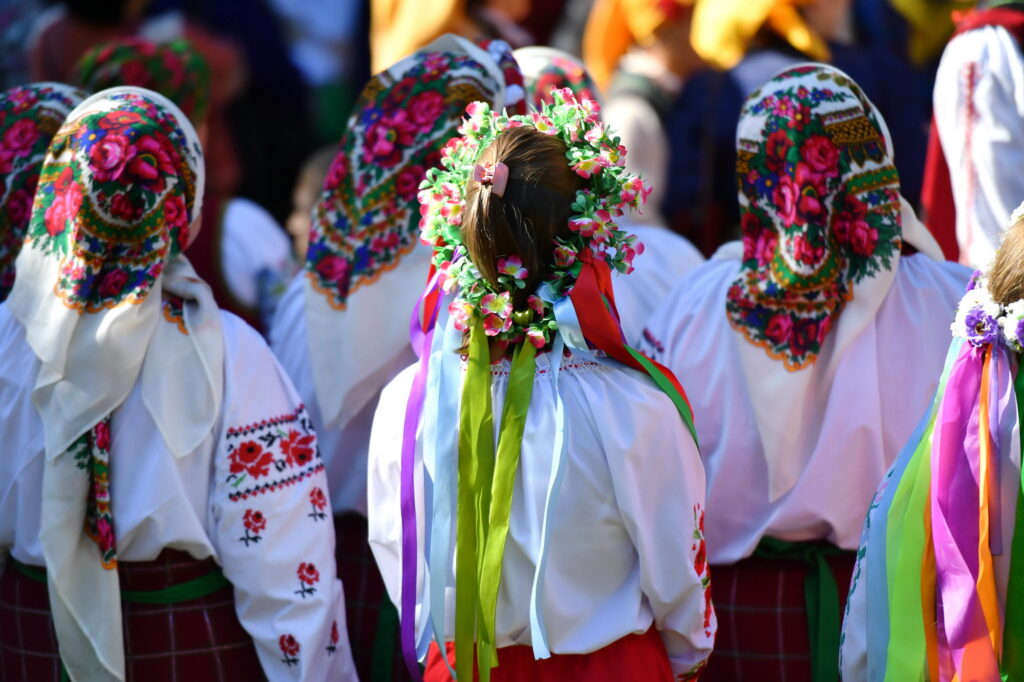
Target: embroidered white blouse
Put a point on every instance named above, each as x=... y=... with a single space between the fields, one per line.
x=979 y=112
x=626 y=551
x=869 y=404
x=251 y=496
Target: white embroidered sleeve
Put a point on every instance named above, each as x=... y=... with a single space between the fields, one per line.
x=979 y=110
x=272 y=522
x=659 y=486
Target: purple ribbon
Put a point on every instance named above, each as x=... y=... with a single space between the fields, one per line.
x=956 y=456
x=421 y=342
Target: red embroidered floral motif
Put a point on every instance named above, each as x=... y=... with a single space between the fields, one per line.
x=308 y=576
x=700 y=565
x=298 y=449
x=319 y=501
x=251 y=458
x=290 y=649
x=255 y=522
x=333 y=646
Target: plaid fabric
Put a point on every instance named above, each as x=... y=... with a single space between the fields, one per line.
x=762 y=619
x=372 y=630
x=200 y=639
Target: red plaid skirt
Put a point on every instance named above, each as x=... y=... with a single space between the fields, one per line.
x=634 y=658
x=762 y=619
x=199 y=639
x=371 y=617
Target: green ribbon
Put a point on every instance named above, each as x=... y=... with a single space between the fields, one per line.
x=476 y=438
x=485 y=486
x=821 y=599
x=1012 y=665
x=175 y=594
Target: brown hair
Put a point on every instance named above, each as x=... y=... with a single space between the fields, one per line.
x=533 y=210
x=1006 y=277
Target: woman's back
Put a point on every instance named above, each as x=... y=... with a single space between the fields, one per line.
x=632 y=488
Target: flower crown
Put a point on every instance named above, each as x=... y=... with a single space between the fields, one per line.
x=594 y=152
x=981 y=320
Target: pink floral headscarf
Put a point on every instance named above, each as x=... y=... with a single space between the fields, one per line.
x=367 y=217
x=108 y=301
x=29 y=118
x=820 y=210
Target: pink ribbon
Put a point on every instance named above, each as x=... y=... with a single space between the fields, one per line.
x=493 y=174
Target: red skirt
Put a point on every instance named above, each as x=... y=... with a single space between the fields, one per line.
x=198 y=639
x=634 y=658
x=762 y=619
x=371 y=617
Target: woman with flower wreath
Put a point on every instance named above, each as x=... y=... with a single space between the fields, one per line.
x=536 y=495
x=938 y=592
x=666 y=256
x=29 y=118
x=160 y=478
x=342 y=329
x=798 y=338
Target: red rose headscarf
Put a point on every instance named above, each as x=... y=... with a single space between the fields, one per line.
x=175 y=70
x=823 y=222
x=107 y=300
x=820 y=210
x=29 y=118
x=364 y=269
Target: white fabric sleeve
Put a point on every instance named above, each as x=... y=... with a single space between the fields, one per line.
x=252 y=243
x=271 y=519
x=979 y=110
x=658 y=482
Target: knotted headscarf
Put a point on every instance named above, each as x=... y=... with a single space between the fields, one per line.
x=175 y=70
x=29 y=117
x=107 y=299
x=366 y=222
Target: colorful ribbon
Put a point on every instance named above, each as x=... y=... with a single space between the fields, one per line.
x=594 y=301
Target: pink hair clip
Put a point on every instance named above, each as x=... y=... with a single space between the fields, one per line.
x=495 y=175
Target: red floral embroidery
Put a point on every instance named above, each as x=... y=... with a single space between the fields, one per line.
x=700 y=566
x=319 y=501
x=251 y=458
x=255 y=523
x=333 y=646
x=308 y=576
x=298 y=449
x=290 y=649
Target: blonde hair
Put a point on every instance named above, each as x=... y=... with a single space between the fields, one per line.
x=1006 y=277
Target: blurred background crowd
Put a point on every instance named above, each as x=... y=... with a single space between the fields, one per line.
x=673 y=75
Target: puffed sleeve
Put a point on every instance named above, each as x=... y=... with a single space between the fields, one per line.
x=271 y=519
x=979 y=111
x=659 y=486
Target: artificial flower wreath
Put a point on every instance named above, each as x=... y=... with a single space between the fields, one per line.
x=594 y=152
x=981 y=320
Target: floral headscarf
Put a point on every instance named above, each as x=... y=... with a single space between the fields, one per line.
x=175 y=70
x=365 y=226
x=820 y=210
x=106 y=300
x=367 y=217
x=546 y=69
x=29 y=118
x=822 y=221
